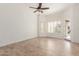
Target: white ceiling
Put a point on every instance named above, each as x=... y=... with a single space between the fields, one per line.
x=54 y=7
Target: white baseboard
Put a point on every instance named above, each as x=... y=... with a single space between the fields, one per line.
x=13 y=41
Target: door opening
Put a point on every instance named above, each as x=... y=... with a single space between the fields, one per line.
x=68 y=30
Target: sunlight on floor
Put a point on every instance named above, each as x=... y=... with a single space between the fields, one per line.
x=68 y=37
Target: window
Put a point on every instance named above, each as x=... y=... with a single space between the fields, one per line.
x=52 y=26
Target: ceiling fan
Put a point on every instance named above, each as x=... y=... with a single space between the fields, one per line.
x=39 y=8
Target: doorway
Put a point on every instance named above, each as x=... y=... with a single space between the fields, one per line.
x=68 y=29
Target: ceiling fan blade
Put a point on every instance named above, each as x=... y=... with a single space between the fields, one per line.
x=33 y=7
x=44 y=8
x=35 y=11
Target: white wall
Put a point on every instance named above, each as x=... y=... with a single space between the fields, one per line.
x=75 y=24
x=17 y=23
x=72 y=14
x=42 y=26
